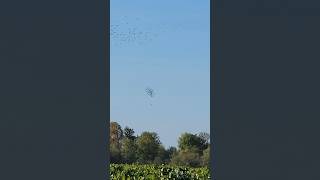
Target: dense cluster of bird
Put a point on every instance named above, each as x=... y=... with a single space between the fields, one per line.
x=150 y=93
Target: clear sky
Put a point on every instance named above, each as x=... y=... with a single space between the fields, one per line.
x=164 y=45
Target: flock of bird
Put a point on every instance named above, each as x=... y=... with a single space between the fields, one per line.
x=136 y=32
x=126 y=31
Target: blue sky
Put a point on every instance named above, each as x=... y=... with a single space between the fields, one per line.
x=165 y=45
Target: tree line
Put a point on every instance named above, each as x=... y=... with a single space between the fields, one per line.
x=126 y=147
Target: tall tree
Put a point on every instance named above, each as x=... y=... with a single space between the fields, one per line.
x=116 y=135
x=189 y=141
x=206 y=157
x=148 y=144
x=128 y=150
x=115 y=154
x=172 y=151
x=187 y=157
x=204 y=140
x=129 y=133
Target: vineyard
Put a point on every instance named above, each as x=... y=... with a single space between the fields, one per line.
x=157 y=172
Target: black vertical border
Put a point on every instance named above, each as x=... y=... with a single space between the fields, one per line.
x=212 y=62
x=107 y=82
x=216 y=81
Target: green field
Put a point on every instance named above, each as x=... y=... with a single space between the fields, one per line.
x=157 y=172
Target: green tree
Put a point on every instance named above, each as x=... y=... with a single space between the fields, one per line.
x=172 y=151
x=206 y=157
x=204 y=140
x=148 y=145
x=115 y=154
x=129 y=133
x=162 y=156
x=189 y=141
x=193 y=149
x=128 y=150
x=116 y=135
x=187 y=157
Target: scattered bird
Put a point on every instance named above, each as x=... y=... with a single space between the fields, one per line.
x=126 y=31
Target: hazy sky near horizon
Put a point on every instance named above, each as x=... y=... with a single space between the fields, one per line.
x=165 y=45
